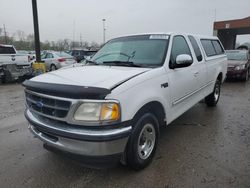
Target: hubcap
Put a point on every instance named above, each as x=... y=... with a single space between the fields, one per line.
x=217 y=92
x=146 y=141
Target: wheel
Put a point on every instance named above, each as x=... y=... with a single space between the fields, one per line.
x=3 y=80
x=142 y=142
x=52 y=67
x=213 y=98
x=246 y=76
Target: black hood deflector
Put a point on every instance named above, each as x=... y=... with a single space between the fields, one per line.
x=67 y=91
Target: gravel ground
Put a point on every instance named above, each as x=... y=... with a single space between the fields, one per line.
x=205 y=147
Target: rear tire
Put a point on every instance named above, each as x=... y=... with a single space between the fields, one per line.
x=213 y=98
x=52 y=67
x=142 y=143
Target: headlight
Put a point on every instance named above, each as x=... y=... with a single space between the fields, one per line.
x=97 y=112
x=239 y=67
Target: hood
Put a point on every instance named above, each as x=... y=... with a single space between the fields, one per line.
x=233 y=63
x=91 y=76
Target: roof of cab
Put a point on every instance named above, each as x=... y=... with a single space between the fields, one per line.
x=172 y=33
x=6 y=45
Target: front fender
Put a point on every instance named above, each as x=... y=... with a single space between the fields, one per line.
x=135 y=93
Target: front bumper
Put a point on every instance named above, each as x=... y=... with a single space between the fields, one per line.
x=94 y=142
x=236 y=73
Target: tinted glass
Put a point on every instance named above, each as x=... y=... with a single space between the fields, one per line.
x=142 y=50
x=196 y=48
x=7 y=50
x=179 y=47
x=217 y=46
x=208 y=47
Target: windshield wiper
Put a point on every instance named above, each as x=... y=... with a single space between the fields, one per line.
x=88 y=62
x=121 y=63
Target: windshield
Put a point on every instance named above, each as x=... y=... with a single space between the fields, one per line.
x=63 y=54
x=143 y=51
x=237 y=55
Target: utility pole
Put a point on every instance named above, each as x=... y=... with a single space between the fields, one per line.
x=36 y=31
x=74 y=24
x=104 y=30
x=5 y=34
x=80 y=40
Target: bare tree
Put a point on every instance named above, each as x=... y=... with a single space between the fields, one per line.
x=94 y=45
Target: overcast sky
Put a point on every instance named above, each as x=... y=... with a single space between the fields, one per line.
x=57 y=17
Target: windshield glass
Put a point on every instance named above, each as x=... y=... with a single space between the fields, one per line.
x=142 y=50
x=63 y=54
x=237 y=55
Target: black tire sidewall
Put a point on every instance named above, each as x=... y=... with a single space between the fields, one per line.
x=247 y=75
x=52 y=67
x=217 y=83
x=210 y=99
x=132 y=155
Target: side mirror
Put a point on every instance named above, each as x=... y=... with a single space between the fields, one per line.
x=183 y=60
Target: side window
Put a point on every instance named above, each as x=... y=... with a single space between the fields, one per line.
x=196 y=48
x=43 y=56
x=208 y=47
x=49 y=55
x=179 y=47
x=217 y=47
x=7 y=50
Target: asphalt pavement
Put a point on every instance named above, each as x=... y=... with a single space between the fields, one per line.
x=205 y=147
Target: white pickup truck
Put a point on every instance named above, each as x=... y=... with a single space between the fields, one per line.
x=112 y=109
x=12 y=64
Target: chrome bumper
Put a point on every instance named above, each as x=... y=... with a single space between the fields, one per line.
x=83 y=142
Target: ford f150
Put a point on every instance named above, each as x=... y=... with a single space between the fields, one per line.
x=113 y=108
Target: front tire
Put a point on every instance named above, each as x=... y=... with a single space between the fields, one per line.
x=213 y=98
x=246 y=76
x=142 y=143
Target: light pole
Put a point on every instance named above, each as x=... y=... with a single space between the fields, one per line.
x=104 y=30
x=36 y=31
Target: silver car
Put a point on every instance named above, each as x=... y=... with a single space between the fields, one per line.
x=56 y=60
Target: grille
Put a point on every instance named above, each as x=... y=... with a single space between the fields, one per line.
x=230 y=68
x=47 y=106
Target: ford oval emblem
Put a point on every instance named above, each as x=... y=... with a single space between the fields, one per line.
x=39 y=104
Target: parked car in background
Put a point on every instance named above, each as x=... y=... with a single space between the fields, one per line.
x=238 y=64
x=82 y=54
x=13 y=65
x=56 y=60
x=31 y=54
x=113 y=108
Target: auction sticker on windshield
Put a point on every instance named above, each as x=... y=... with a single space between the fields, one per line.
x=159 y=36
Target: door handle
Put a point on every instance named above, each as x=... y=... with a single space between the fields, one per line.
x=196 y=73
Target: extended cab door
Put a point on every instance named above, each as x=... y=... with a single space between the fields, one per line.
x=184 y=82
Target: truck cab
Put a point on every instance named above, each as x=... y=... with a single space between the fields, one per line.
x=113 y=108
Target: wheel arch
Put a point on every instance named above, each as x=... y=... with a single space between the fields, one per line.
x=220 y=76
x=154 y=107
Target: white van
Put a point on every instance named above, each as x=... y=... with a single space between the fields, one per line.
x=112 y=108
